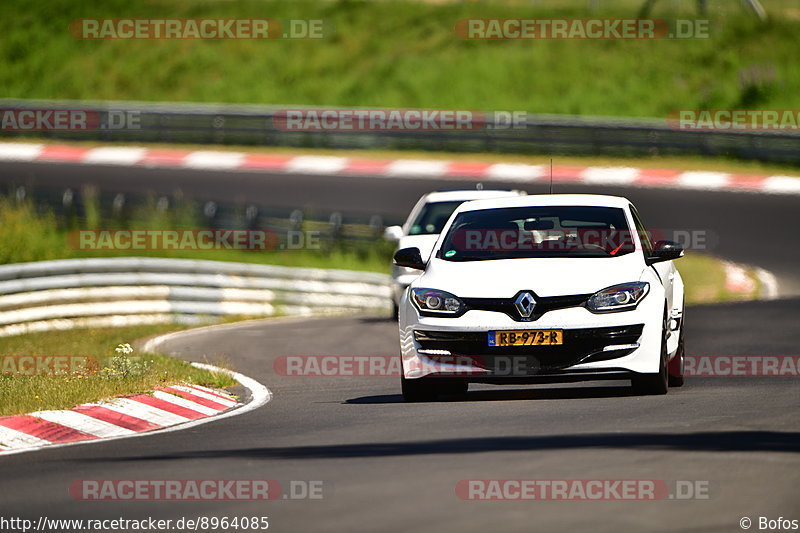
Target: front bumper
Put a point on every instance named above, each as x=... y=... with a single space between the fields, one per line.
x=595 y=346
x=581 y=345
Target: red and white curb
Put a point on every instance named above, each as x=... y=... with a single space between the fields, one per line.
x=740 y=280
x=171 y=408
x=399 y=168
x=737 y=279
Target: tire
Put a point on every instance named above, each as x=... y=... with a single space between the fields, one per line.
x=676 y=365
x=395 y=311
x=658 y=383
x=417 y=390
x=454 y=388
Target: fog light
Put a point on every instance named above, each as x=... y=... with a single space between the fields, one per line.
x=434 y=352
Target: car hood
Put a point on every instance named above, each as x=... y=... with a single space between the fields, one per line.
x=425 y=243
x=503 y=278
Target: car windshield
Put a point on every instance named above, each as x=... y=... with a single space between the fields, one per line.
x=527 y=232
x=433 y=217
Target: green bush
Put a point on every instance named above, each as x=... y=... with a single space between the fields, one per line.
x=28 y=236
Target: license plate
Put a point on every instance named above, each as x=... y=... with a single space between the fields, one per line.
x=527 y=337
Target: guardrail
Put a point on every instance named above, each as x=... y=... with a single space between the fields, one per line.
x=120 y=210
x=70 y=293
x=545 y=134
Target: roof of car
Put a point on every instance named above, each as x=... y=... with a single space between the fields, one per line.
x=535 y=200
x=464 y=195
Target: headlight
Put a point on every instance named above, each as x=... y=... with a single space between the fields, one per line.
x=438 y=302
x=619 y=297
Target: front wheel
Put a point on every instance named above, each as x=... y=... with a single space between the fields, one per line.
x=676 y=365
x=429 y=389
x=417 y=390
x=658 y=383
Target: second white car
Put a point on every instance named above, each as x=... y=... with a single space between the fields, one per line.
x=424 y=224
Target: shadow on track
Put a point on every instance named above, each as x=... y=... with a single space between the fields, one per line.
x=566 y=393
x=723 y=441
x=376 y=319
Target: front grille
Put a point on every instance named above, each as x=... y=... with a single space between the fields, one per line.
x=579 y=345
x=543 y=305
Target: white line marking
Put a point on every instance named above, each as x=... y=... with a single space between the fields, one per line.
x=20 y=151
x=213 y=160
x=610 y=175
x=17 y=440
x=413 y=167
x=313 y=164
x=229 y=402
x=516 y=172
x=83 y=423
x=769 y=284
x=781 y=185
x=183 y=402
x=258 y=392
x=209 y=390
x=114 y=156
x=703 y=180
x=130 y=407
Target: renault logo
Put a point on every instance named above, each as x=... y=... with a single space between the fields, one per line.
x=525 y=304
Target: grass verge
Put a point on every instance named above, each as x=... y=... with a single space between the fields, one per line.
x=407 y=54
x=116 y=375
x=704 y=280
x=31 y=233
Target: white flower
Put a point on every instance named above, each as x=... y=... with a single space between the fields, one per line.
x=124 y=349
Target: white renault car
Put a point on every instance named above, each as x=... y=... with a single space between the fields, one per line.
x=425 y=223
x=542 y=289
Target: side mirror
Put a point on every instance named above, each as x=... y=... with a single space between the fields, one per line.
x=665 y=251
x=410 y=258
x=393 y=233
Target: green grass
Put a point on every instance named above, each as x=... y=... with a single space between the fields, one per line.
x=115 y=376
x=28 y=235
x=704 y=279
x=363 y=258
x=405 y=54
x=31 y=234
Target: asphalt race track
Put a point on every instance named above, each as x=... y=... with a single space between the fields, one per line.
x=390 y=466
x=742 y=227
